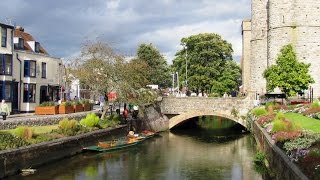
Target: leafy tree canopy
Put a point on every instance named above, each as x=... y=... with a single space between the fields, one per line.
x=209 y=64
x=290 y=75
x=158 y=71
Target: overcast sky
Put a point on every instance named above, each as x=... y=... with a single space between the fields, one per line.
x=61 y=26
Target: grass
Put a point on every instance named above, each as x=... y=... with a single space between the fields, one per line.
x=305 y=122
x=37 y=129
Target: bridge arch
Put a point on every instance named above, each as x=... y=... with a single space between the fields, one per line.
x=176 y=120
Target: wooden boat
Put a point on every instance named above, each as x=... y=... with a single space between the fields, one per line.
x=120 y=143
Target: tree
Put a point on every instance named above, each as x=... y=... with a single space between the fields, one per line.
x=288 y=74
x=207 y=57
x=102 y=70
x=228 y=79
x=158 y=69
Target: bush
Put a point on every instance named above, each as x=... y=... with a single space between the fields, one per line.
x=264 y=120
x=65 y=103
x=75 y=102
x=91 y=120
x=259 y=111
x=63 y=123
x=315 y=104
x=282 y=124
x=47 y=103
x=68 y=127
x=299 y=143
x=282 y=136
x=9 y=141
x=23 y=132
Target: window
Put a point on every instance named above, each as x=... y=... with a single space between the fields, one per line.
x=44 y=70
x=3 y=37
x=37 y=47
x=5 y=64
x=21 y=43
x=5 y=90
x=29 y=93
x=29 y=68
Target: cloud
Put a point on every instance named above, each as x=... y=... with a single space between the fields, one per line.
x=62 y=26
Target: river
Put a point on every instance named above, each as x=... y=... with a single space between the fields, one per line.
x=185 y=153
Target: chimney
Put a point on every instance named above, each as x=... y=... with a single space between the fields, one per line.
x=20 y=28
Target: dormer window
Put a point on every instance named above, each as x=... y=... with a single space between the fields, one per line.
x=18 y=43
x=37 y=47
x=21 y=43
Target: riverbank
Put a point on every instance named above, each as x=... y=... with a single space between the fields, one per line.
x=277 y=159
x=12 y=161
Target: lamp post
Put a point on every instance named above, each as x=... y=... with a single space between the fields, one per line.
x=186 y=65
x=173 y=83
x=178 y=81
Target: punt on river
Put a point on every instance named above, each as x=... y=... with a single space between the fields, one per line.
x=121 y=143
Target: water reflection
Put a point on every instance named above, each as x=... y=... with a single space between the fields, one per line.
x=181 y=154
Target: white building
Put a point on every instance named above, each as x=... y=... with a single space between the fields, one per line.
x=29 y=74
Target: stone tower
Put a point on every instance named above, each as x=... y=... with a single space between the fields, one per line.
x=296 y=22
x=276 y=23
x=258 y=45
x=245 y=60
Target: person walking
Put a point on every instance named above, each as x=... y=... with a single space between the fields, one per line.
x=102 y=101
x=4 y=108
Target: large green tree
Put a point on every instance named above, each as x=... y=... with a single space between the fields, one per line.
x=208 y=59
x=290 y=75
x=158 y=68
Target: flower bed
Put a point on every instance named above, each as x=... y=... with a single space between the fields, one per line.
x=296 y=135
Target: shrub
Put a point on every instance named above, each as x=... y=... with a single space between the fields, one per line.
x=282 y=124
x=91 y=120
x=315 y=104
x=9 y=141
x=23 y=132
x=263 y=120
x=47 y=103
x=259 y=111
x=299 y=143
x=63 y=124
x=282 y=136
x=75 y=102
x=65 y=103
x=68 y=127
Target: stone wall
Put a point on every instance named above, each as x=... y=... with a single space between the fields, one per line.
x=40 y=120
x=258 y=45
x=153 y=119
x=296 y=22
x=278 y=160
x=245 y=60
x=11 y=161
x=276 y=23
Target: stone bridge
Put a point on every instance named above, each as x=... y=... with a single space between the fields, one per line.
x=184 y=108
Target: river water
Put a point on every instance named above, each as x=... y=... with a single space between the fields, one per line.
x=185 y=153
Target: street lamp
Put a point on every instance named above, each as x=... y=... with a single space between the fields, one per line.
x=186 y=48
x=173 y=83
x=178 y=81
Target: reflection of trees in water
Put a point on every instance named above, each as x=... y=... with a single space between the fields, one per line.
x=213 y=122
x=171 y=156
x=210 y=129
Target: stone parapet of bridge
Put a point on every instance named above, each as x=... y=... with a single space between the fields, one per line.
x=185 y=108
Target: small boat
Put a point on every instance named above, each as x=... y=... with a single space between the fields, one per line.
x=121 y=143
x=109 y=146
